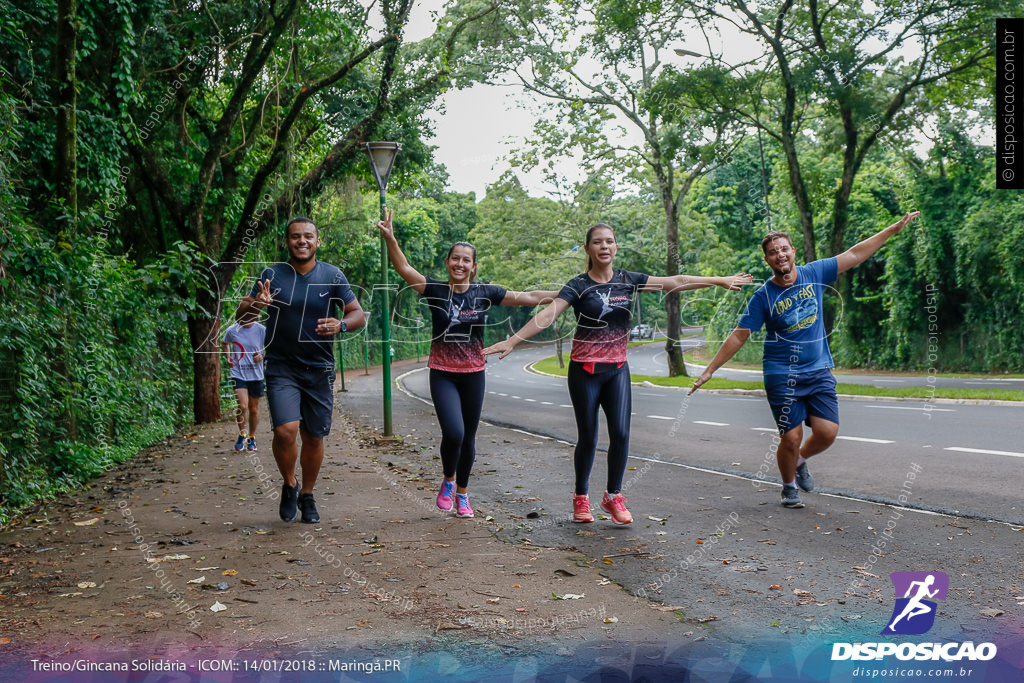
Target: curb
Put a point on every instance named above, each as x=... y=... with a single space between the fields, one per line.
x=852 y=397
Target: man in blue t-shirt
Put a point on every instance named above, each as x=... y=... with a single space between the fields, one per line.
x=303 y=297
x=797 y=362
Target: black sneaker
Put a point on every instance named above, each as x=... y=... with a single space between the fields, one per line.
x=308 y=507
x=791 y=497
x=804 y=479
x=288 y=508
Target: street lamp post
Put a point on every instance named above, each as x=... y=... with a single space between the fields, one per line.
x=382 y=159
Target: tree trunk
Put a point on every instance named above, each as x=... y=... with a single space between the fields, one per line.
x=66 y=148
x=676 y=367
x=803 y=202
x=204 y=333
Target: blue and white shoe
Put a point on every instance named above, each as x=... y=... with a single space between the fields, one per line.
x=240 y=444
x=791 y=497
x=804 y=479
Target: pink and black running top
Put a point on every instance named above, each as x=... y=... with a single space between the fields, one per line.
x=457 y=324
x=602 y=315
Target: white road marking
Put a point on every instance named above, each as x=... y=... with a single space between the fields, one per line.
x=530 y=400
x=519 y=397
x=1011 y=454
x=500 y=394
x=659 y=417
x=864 y=439
x=742 y=398
x=764 y=429
x=546 y=403
x=930 y=410
x=891 y=381
x=713 y=424
x=644 y=393
x=563 y=405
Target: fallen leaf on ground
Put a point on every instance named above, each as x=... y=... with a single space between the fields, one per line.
x=229 y=572
x=199 y=580
x=88 y=522
x=991 y=612
x=568 y=596
x=217 y=607
x=87 y=584
x=664 y=608
x=611 y=620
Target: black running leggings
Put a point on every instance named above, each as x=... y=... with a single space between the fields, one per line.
x=610 y=390
x=458 y=398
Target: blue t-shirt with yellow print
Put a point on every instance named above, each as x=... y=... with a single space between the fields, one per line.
x=792 y=316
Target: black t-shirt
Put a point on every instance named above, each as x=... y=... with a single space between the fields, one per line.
x=602 y=315
x=299 y=301
x=457 y=324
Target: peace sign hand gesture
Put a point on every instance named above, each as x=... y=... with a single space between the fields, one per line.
x=264 y=298
x=385 y=226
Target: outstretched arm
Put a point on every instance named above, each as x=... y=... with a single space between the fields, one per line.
x=682 y=283
x=534 y=298
x=732 y=344
x=541 y=321
x=412 y=276
x=862 y=251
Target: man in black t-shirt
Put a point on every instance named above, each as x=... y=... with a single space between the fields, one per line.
x=303 y=296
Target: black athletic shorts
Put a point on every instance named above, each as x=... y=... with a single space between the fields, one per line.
x=253 y=386
x=301 y=393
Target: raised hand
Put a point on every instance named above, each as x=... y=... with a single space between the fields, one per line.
x=902 y=223
x=385 y=226
x=264 y=297
x=736 y=281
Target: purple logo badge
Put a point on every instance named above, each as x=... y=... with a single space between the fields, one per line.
x=916 y=592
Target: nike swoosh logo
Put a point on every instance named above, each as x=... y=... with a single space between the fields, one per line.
x=323 y=294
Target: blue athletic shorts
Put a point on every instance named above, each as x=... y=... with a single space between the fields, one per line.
x=794 y=398
x=253 y=386
x=301 y=393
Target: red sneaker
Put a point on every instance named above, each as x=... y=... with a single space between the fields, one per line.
x=581 y=509
x=615 y=505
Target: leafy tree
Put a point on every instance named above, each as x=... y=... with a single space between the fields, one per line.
x=601 y=63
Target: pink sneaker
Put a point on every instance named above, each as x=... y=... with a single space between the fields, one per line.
x=615 y=505
x=462 y=508
x=581 y=509
x=444 y=496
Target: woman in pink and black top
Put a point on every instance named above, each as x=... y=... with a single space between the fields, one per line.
x=458 y=312
x=602 y=299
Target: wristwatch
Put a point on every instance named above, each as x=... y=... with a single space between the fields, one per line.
x=344 y=327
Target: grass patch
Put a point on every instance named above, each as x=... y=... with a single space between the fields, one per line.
x=550 y=366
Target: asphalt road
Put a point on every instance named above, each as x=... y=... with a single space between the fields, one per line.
x=970 y=455
x=711 y=540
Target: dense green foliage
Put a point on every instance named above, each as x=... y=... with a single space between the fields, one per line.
x=92 y=364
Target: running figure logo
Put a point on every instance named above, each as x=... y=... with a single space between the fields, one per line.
x=914 y=613
x=606 y=306
x=454 y=311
